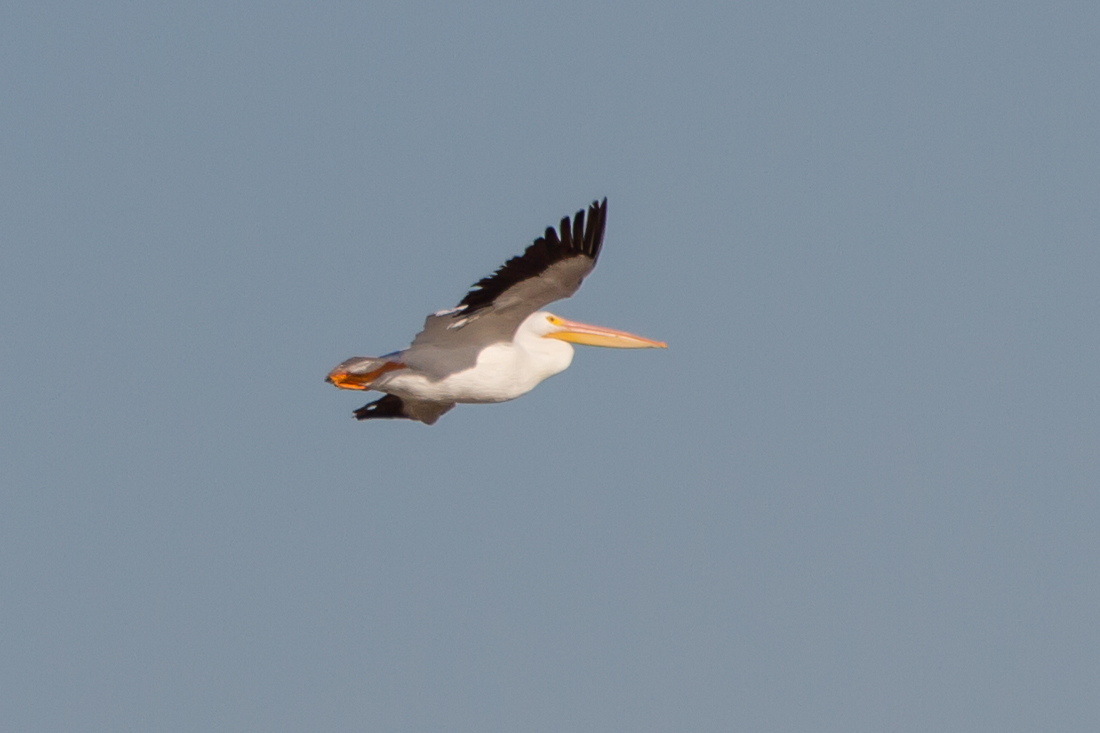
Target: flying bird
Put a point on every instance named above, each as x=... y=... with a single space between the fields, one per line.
x=497 y=343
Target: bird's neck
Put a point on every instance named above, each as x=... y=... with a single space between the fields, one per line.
x=546 y=357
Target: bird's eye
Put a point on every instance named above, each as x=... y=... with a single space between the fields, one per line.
x=549 y=319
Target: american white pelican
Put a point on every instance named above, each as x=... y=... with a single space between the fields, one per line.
x=496 y=344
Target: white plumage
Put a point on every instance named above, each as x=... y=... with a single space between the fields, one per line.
x=496 y=344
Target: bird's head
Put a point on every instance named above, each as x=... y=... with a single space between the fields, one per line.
x=547 y=325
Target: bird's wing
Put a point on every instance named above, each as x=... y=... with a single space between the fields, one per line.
x=550 y=269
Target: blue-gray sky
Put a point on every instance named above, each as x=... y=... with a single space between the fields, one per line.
x=857 y=493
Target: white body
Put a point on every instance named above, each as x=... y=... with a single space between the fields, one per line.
x=496 y=344
x=504 y=370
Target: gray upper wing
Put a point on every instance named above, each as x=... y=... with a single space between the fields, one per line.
x=550 y=269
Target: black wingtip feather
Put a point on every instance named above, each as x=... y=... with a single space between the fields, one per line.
x=389 y=406
x=585 y=239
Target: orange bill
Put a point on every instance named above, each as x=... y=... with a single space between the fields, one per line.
x=583 y=333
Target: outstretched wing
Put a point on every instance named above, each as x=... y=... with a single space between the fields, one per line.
x=552 y=268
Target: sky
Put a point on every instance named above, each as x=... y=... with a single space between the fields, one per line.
x=858 y=492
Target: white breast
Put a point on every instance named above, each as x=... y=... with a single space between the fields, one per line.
x=503 y=372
